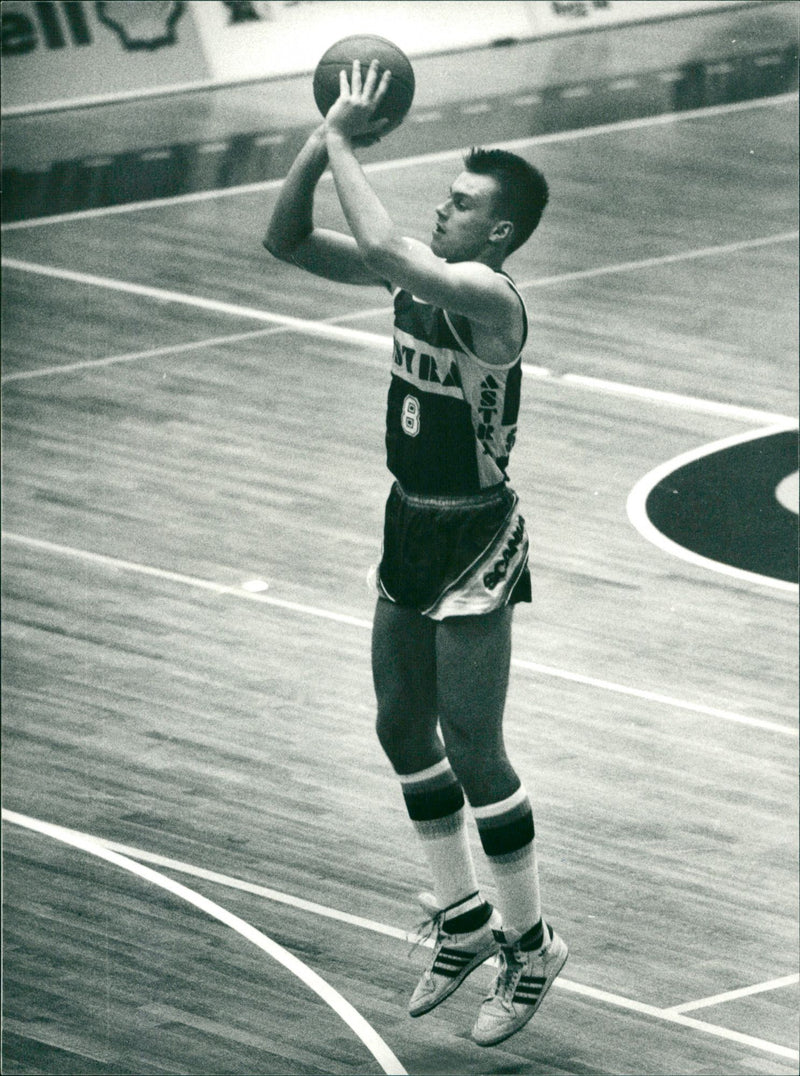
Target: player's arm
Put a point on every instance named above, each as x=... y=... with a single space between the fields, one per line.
x=292 y=236
x=468 y=288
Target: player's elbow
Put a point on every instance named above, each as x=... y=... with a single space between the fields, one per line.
x=381 y=255
x=277 y=246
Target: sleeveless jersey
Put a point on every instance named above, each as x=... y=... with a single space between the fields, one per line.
x=451 y=419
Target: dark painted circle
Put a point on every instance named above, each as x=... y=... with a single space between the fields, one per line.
x=723 y=506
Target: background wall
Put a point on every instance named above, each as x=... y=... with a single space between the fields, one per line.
x=62 y=54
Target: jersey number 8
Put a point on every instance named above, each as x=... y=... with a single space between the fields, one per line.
x=409 y=418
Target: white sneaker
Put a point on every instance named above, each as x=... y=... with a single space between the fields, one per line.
x=455 y=956
x=519 y=989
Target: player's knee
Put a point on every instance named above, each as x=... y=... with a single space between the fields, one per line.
x=477 y=760
x=409 y=739
x=393 y=734
x=466 y=758
x=485 y=780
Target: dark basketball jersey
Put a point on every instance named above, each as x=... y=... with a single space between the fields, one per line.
x=451 y=418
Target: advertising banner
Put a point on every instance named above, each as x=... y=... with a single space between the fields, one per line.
x=565 y=16
x=63 y=53
x=73 y=51
x=246 y=39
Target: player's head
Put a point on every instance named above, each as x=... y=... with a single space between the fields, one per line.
x=492 y=207
x=522 y=191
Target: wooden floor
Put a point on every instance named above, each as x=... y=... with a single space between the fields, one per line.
x=162 y=454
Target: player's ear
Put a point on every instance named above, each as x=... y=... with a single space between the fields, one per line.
x=502 y=231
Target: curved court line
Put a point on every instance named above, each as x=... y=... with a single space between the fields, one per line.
x=670 y=1015
x=367 y=1034
x=361 y=622
x=787 y=492
x=436 y=157
x=637 y=508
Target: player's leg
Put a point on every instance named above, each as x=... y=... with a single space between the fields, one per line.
x=404 y=675
x=473 y=663
x=473 y=659
x=404 y=672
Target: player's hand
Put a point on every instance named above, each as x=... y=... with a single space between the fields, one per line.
x=352 y=115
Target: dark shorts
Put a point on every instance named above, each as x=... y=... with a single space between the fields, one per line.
x=454 y=556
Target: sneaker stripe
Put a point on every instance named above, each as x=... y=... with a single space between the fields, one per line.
x=451 y=957
x=497 y=1020
x=529 y=988
x=452 y=963
x=527 y=999
x=448 y=966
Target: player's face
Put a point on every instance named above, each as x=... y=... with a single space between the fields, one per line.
x=464 y=221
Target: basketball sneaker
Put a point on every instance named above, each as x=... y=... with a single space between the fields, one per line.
x=519 y=989
x=455 y=956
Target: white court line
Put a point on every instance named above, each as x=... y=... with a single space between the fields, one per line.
x=185 y=580
x=331 y=331
x=662 y=259
x=134 y=356
x=637 y=509
x=671 y=1015
x=425 y=158
x=654 y=696
x=312 y=328
x=354 y=1020
x=734 y=995
x=675 y=399
x=619 y=388
x=359 y=622
x=177 y=349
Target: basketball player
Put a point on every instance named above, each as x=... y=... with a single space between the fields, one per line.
x=455 y=547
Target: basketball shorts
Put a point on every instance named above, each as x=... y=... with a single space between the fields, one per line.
x=454 y=556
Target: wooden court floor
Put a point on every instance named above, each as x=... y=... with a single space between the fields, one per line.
x=193 y=488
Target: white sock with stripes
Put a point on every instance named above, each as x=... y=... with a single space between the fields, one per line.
x=507 y=836
x=435 y=803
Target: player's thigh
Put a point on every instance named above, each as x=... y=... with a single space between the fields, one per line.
x=403 y=662
x=473 y=661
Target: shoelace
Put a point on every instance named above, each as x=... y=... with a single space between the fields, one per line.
x=512 y=966
x=428 y=928
x=434 y=925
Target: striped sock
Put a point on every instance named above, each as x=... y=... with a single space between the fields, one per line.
x=435 y=803
x=507 y=836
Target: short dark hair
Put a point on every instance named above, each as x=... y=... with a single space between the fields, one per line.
x=523 y=189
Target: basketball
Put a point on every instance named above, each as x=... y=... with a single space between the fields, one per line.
x=366 y=47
